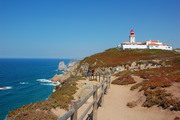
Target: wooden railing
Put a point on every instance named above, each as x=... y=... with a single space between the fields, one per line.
x=98 y=100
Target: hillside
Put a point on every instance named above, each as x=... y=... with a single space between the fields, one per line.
x=114 y=57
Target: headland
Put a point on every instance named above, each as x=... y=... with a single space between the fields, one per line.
x=144 y=83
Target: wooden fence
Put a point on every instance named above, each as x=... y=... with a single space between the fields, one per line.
x=98 y=100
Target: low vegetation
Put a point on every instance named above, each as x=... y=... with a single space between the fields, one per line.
x=115 y=56
x=93 y=79
x=60 y=98
x=161 y=98
x=136 y=86
x=153 y=86
x=155 y=81
x=126 y=72
x=35 y=115
x=124 y=80
x=131 y=104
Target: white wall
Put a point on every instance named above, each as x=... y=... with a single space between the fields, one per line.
x=134 y=47
x=161 y=47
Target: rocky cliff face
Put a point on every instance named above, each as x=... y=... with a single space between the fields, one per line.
x=62 y=66
x=73 y=63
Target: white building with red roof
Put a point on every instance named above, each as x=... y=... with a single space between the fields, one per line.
x=148 y=44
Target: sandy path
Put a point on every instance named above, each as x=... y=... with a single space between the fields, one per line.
x=115 y=107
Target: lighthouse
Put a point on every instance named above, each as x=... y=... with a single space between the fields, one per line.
x=132 y=37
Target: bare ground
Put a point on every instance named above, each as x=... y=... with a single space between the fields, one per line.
x=115 y=106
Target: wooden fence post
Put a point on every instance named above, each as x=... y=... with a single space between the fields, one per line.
x=109 y=81
x=74 y=105
x=99 y=76
x=95 y=103
x=107 y=84
x=103 y=77
x=102 y=97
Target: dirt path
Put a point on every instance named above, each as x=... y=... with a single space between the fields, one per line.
x=115 y=107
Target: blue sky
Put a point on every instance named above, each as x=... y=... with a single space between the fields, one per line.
x=79 y=28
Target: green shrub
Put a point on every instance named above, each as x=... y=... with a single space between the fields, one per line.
x=176 y=73
x=137 y=85
x=124 y=80
x=126 y=72
x=60 y=98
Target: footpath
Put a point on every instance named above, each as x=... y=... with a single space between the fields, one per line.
x=115 y=107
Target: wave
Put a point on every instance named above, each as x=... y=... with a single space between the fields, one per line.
x=44 y=80
x=51 y=84
x=5 y=88
x=23 y=83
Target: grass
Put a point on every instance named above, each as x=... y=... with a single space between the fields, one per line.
x=60 y=98
x=94 y=79
x=136 y=86
x=124 y=80
x=36 y=115
x=158 y=97
x=175 y=73
x=161 y=98
x=126 y=72
x=156 y=80
x=177 y=118
x=114 y=57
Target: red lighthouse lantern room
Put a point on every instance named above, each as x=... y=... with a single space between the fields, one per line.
x=132 y=32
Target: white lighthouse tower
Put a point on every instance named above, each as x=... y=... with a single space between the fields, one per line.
x=132 y=37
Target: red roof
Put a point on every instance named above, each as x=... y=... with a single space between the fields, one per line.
x=155 y=41
x=164 y=44
x=153 y=44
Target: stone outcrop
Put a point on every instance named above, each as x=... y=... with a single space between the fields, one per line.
x=62 y=66
x=60 y=78
x=73 y=63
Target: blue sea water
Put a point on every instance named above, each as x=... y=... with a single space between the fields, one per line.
x=27 y=81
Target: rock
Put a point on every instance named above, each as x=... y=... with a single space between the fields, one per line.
x=60 y=78
x=83 y=69
x=133 y=64
x=149 y=66
x=73 y=63
x=56 y=78
x=142 y=66
x=73 y=69
x=62 y=66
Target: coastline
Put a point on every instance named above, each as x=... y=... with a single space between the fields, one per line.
x=63 y=93
x=58 y=80
x=28 y=83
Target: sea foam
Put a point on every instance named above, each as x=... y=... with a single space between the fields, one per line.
x=48 y=82
x=5 y=88
x=44 y=80
x=23 y=83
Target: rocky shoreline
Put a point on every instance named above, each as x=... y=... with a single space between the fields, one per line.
x=68 y=71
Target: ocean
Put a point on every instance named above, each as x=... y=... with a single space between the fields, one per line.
x=26 y=81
